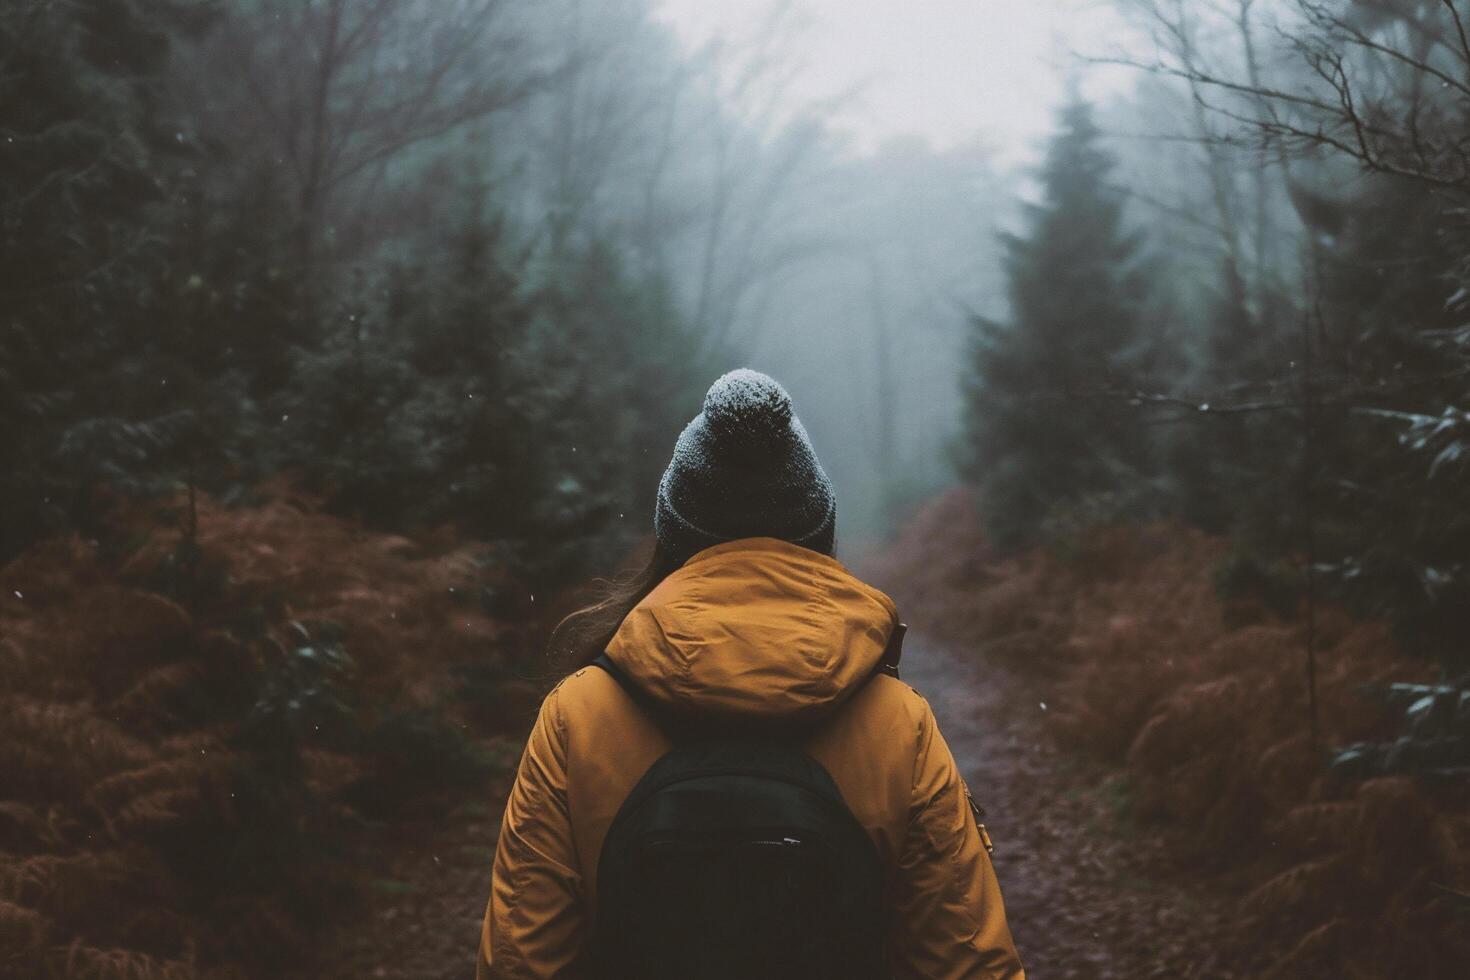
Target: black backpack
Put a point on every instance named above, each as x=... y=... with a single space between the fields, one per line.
x=736 y=858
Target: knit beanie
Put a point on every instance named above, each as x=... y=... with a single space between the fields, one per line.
x=744 y=468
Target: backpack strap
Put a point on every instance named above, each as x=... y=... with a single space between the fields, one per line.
x=652 y=711
x=606 y=665
x=893 y=653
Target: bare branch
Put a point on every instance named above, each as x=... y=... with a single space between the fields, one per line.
x=1204 y=78
x=1363 y=40
x=1460 y=32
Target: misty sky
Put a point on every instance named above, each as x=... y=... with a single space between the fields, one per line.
x=951 y=71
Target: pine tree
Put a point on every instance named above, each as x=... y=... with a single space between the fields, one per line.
x=1043 y=430
x=1235 y=472
x=87 y=160
x=1390 y=339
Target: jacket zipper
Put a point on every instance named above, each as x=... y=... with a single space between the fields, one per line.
x=978 y=812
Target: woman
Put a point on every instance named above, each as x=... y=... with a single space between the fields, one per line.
x=743 y=620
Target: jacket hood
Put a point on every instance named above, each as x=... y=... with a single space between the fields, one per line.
x=757 y=629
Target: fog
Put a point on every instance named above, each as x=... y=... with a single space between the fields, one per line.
x=932 y=118
x=841 y=173
x=950 y=71
x=828 y=191
x=343 y=345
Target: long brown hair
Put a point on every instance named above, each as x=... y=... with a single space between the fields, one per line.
x=583 y=635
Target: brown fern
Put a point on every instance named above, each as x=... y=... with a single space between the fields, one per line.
x=23 y=932
x=79 y=961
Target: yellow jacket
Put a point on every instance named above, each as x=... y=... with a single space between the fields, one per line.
x=750 y=629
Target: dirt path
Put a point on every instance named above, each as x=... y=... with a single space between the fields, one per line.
x=420 y=918
x=1084 y=902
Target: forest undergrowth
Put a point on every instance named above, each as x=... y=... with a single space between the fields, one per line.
x=207 y=711
x=1191 y=702
x=213 y=728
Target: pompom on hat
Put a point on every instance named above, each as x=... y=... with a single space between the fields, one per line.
x=743 y=468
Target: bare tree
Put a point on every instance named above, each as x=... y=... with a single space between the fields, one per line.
x=337 y=90
x=714 y=142
x=760 y=152
x=1383 y=85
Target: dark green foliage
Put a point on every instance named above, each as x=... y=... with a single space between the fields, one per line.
x=359 y=426
x=1347 y=462
x=121 y=367
x=1411 y=564
x=159 y=330
x=85 y=163
x=1355 y=462
x=531 y=408
x=1249 y=574
x=623 y=373
x=413 y=754
x=299 y=697
x=1237 y=473
x=1435 y=737
x=454 y=370
x=1045 y=426
x=1394 y=477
